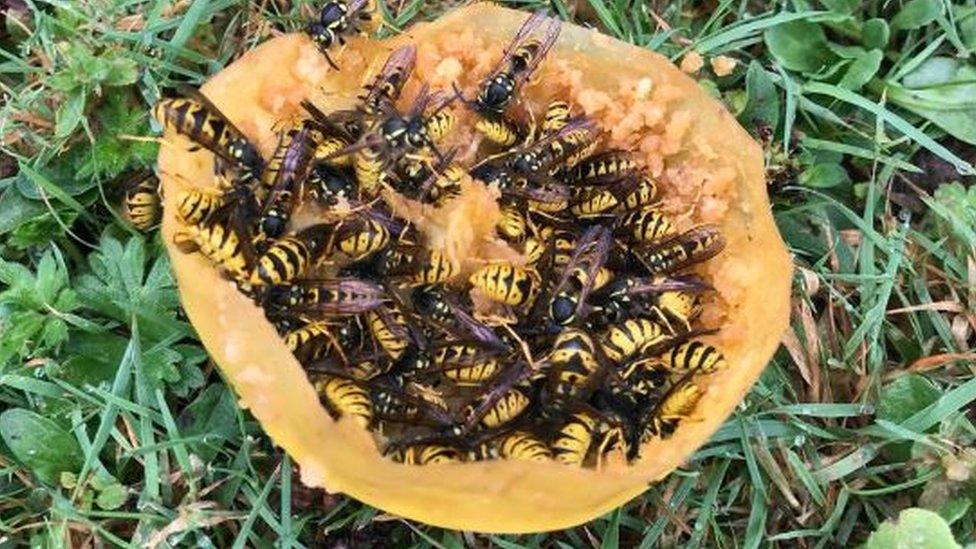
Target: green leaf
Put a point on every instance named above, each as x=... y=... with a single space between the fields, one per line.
x=112 y=497
x=91 y=359
x=862 y=70
x=762 y=99
x=16 y=210
x=122 y=71
x=875 y=34
x=214 y=412
x=943 y=91
x=822 y=176
x=70 y=113
x=841 y=6
x=955 y=509
x=932 y=72
x=916 y=13
x=914 y=528
x=40 y=444
x=799 y=46
x=966 y=19
x=905 y=396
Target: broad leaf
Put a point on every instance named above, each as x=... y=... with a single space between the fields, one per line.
x=762 y=100
x=916 y=13
x=905 y=396
x=862 y=70
x=913 y=528
x=40 y=444
x=944 y=91
x=799 y=46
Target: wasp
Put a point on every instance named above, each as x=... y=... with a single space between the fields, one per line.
x=193 y=206
x=503 y=410
x=384 y=90
x=553 y=150
x=680 y=306
x=678 y=404
x=288 y=180
x=330 y=297
x=519 y=62
x=345 y=398
x=648 y=225
x=141 y=205
x=683 y=250
x=431 y=266
x=390 y=329
x=603 y=202
x=197 y=118
x=314 y=340
x=627 y=296
x=557 y=116
x=572 y=441
x=632 y=337
x=361 y=237
x=694 y=356
x=329 y=185
x=507 y=283
x=332 y=133
x=291 y=257
x=522 y=445
x=434 y=304
x=583 y=273
x=512 y=225
x=442 y=184
x=392 y=402
x=337 y=19
x=218 y=243
x=577 y=367
x=601 y=169
x=428 y=454
x=393 y=139
x=467 y=364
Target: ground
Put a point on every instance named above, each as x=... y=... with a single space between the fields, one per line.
x=114 y=429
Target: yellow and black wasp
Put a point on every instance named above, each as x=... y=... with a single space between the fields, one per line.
x=572 y=440
x=683 y=250
x=678 y=404
x=289 y=179
x=428 y=454
x=226 y=236
x=607 y=201
x=577 y=366
x=466 y=363
x=345 y=398
x=648 y=225
x=291 y=257
x=553 y=151
x=197 y=118
x=694 y=356
x=519 y=62
x=630 y=296
x=601 y=169
x=507 y=283
x=444 y=310
x=361 y=236
x=584 y=273
x=337 y=19
x=328 y=297
x=141 y=205
x=521 y=445
x=384 y=89
x=217 y=242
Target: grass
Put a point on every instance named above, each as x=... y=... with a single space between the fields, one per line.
x=868 y=117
